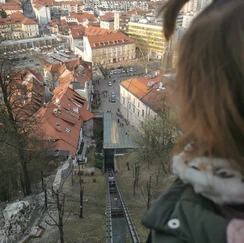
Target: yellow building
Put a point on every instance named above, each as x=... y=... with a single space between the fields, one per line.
x=149 y=38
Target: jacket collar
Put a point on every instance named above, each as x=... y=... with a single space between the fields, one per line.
x=214 y=178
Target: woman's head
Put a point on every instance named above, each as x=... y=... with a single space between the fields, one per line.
x=210 y=77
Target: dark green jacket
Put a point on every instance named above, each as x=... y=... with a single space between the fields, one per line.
x=181 y=216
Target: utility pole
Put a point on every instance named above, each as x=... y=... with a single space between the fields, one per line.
x=44 y=188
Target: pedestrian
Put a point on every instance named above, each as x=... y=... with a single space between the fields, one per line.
x=205 y=203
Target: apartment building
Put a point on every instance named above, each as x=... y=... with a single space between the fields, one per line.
x=117 y=5
x=148 y=37
x=107 y=21
x=12 y=7
x=60 y=8
x=111 y=47
x=141 y=98
x=17 y=26
x=42 y=13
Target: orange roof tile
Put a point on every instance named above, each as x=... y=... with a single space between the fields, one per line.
x=77 y=31
x=98 y=31
x=147 y=90
x=107 y=16
x=27 y=21
x=109 y=39
x=81 y=17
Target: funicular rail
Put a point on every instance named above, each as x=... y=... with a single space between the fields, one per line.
x=122 y=210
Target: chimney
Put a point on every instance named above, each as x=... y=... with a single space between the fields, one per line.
x=60 y=108
x=55 y=112
x=58 y=128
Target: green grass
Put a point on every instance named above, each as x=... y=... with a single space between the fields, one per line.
x=137 y=203
x=92 y=227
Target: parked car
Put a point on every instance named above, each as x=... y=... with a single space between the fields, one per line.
x=113 y=97
x=110 y=83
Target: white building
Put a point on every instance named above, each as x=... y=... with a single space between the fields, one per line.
x=108 y=48
x=116 y=20
x=17 y=26
x=141 y=98
x=42 y=13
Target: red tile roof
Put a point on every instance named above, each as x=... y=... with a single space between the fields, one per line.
x=98 y=31
x=109 y=39
x=149 y=92
x=107 y=16
x=11 y=6
x=68 y=110
x=77 y=31
x=15 y=18
x=81 y=17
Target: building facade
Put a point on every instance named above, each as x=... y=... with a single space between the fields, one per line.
x=149 y=38
x=143 y=98
x=108 y=48
x=17 y=26
x=117 y=5
x=42 y=13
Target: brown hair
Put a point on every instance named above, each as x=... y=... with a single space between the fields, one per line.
x=210 y=78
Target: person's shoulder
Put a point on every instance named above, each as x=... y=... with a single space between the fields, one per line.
x=180 y=211
x=163 y=207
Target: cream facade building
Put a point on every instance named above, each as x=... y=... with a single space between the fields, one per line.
x=42 y=13
x=143 y=98
x=107 y=24
x=17 y=26
x=111 y=47
x=149 y=38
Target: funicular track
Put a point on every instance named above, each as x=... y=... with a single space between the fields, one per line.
x=117 y=208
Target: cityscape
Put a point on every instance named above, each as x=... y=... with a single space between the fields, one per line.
x=85 y=89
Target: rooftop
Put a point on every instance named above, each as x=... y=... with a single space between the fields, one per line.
x=114 y=136
x=109 y=39
x=151 y=91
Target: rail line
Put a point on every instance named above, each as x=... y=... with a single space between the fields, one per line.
x=116 y=208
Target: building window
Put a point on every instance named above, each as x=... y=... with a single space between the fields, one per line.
x=129 y=105
x=123 y=100
x=138 y=112
x=142 y=113
x=133 y=108
x=138 y=105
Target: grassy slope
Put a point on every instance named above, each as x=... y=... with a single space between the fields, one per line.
x=137 y=204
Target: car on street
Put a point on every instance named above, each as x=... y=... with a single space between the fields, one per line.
x=110 y=83
x=131 y=69
x=113 y=97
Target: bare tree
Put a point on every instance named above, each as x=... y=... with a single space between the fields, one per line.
x=147 y=195
x=136 y=171
x=20 y=133
x=157 y=138
x=59 y=208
